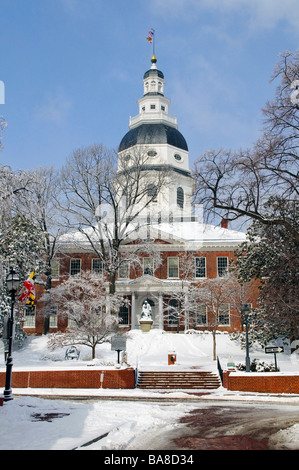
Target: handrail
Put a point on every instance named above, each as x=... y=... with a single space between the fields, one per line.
x=220 y=370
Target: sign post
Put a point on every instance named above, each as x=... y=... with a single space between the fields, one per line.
x=118 y=343
x=274 y=350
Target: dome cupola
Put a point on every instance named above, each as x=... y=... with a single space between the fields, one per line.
x=154 y=134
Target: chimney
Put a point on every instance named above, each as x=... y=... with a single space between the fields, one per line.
x=224 y=223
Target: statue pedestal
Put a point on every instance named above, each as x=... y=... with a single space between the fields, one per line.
x=146 y=324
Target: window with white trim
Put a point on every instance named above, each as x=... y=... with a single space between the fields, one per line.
x=224 y=314
x=30 y=316
x=200 y=267
x=53 y=316
x=173 y=267
x=201 y=315
x=75 y=266
x=222 y=266
x=148 y=266
x=124 y=270
x=96 y=267
x=55 y=268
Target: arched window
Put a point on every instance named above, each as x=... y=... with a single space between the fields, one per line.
x=180 y=197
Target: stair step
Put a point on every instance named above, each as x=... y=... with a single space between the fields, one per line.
x=178 y=379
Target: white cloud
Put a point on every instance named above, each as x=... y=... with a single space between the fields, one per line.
x=260 y=14
x=55 y=109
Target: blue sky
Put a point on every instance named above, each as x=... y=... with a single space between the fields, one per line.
x=73 y=70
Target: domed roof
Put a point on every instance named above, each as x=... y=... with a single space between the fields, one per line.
x=153 y=134
x=153 y=73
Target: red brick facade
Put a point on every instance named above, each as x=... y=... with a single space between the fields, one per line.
x=85 y=378
x=161 y=273
x=261 y=382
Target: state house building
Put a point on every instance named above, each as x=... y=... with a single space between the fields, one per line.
x=211 y=247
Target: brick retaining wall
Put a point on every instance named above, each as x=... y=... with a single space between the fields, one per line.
x=260 y=382
x=85 y=378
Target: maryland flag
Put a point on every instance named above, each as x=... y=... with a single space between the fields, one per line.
x=150 y=36
x=27 y=294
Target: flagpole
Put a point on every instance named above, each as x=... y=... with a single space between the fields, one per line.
x=153 y=41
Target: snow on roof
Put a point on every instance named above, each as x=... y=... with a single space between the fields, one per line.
x=192 y=232
x=195 y=231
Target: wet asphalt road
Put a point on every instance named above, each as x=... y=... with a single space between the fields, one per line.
x=220 y=426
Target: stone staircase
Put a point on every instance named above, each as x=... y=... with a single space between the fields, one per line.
x=178 y=380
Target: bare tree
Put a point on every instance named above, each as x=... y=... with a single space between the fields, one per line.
x=107 y=200
x=12 y=185
x=222 y=297
x=241 y=184
x=182 y=306
x=86 y=304
x=3 y=125
x=39 y=203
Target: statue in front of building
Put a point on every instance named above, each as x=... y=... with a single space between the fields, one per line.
x=146 y=311
x=146 y=320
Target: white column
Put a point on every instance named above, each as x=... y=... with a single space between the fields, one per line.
x=133 y=311
x=161 y=323
x=186 y=312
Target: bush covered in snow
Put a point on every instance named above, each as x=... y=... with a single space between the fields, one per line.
x=257 y=366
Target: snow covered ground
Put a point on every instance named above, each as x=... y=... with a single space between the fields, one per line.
x=149 y=350
x=31 y=422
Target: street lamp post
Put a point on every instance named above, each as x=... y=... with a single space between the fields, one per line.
x=13 y=284
x=245 y=311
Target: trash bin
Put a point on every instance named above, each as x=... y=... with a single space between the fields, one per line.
x=171 y=358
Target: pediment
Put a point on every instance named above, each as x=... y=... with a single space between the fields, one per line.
x=147 y=281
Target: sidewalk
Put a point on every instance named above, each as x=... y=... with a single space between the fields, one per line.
x=220 y=394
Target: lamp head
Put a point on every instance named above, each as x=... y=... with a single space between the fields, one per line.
x=12 y=281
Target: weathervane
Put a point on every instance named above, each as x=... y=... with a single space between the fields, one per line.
x=151 y=38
